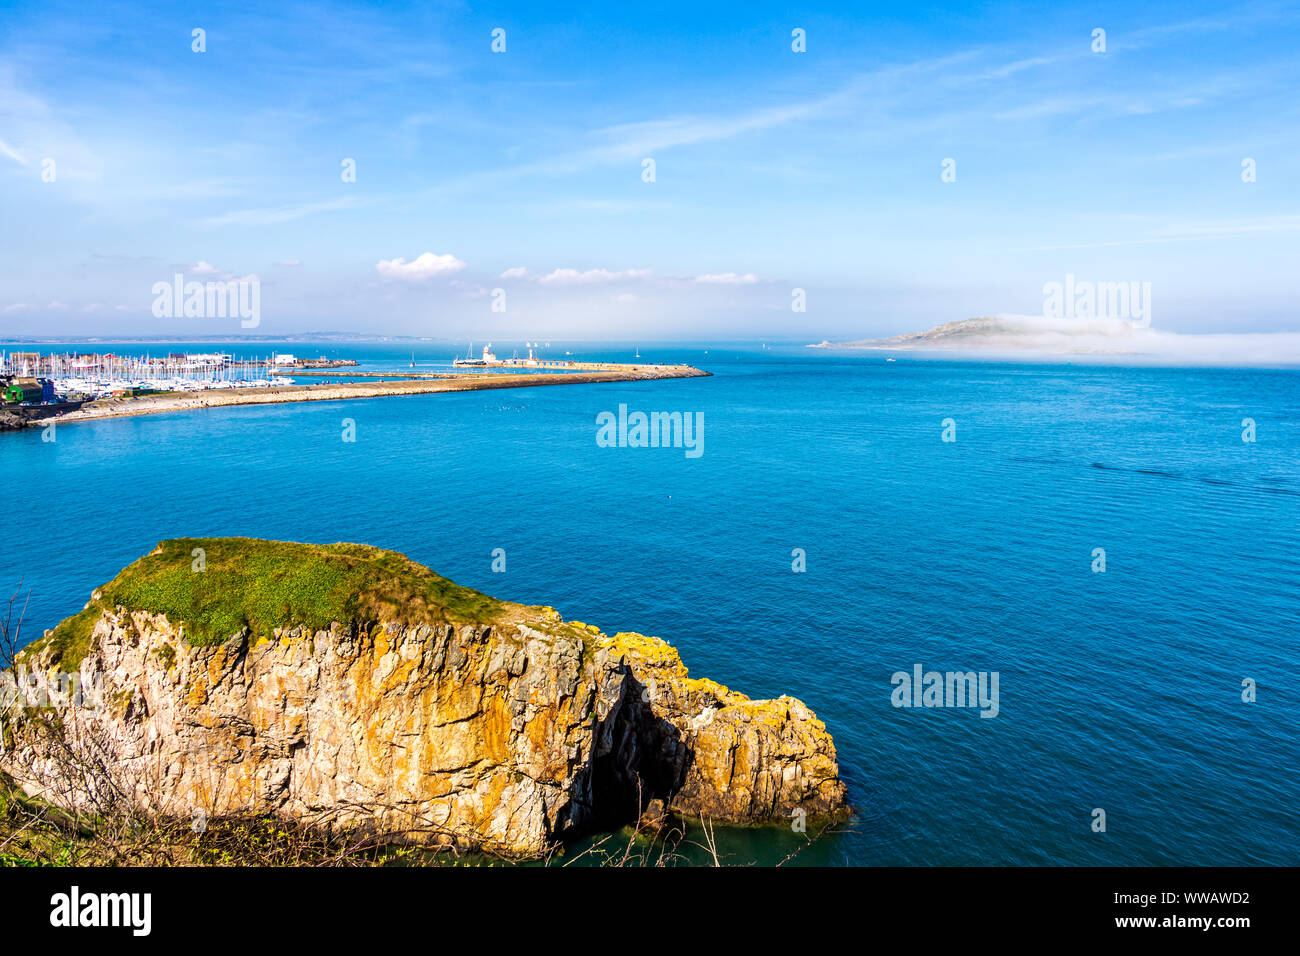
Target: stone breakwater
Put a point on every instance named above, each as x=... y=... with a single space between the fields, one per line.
x=509 y=733
x=339 y=391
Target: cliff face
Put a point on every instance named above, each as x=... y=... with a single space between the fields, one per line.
x=423 y=708
x=11 y=422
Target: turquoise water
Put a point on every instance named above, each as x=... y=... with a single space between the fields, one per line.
x=1118 y=690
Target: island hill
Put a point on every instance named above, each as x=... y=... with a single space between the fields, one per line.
x=1013 y=334
x=350 y=684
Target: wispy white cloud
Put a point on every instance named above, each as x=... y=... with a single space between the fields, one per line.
x=566 y=207
x=11 y=153
x=208 y=188
x=727 y=278
x=1189 y=232
x=1010 y=69
x=28 y=119
x=273 y=215
x=1233 y=227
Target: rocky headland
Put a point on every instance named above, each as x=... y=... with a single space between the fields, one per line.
x=349 y=685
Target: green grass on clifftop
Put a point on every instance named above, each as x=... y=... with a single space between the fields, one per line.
x=263 y=585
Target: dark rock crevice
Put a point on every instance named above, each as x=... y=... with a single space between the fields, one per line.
x=646 y=760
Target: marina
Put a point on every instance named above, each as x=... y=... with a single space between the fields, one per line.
x=89 y=376
x=86 y=388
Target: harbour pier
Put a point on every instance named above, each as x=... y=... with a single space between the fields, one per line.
x=342 y=391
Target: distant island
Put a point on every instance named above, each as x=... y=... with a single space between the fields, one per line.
x=1020 y=336
x=1013 y=332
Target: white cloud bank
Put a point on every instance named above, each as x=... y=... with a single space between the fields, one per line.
x=592 y=276
x=423 y=267
x=576 y=276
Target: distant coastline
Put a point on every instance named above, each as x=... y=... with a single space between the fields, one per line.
x=217 y=339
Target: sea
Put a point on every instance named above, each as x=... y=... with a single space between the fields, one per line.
x=1119 y=545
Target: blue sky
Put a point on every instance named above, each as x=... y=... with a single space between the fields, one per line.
x=523 y=170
